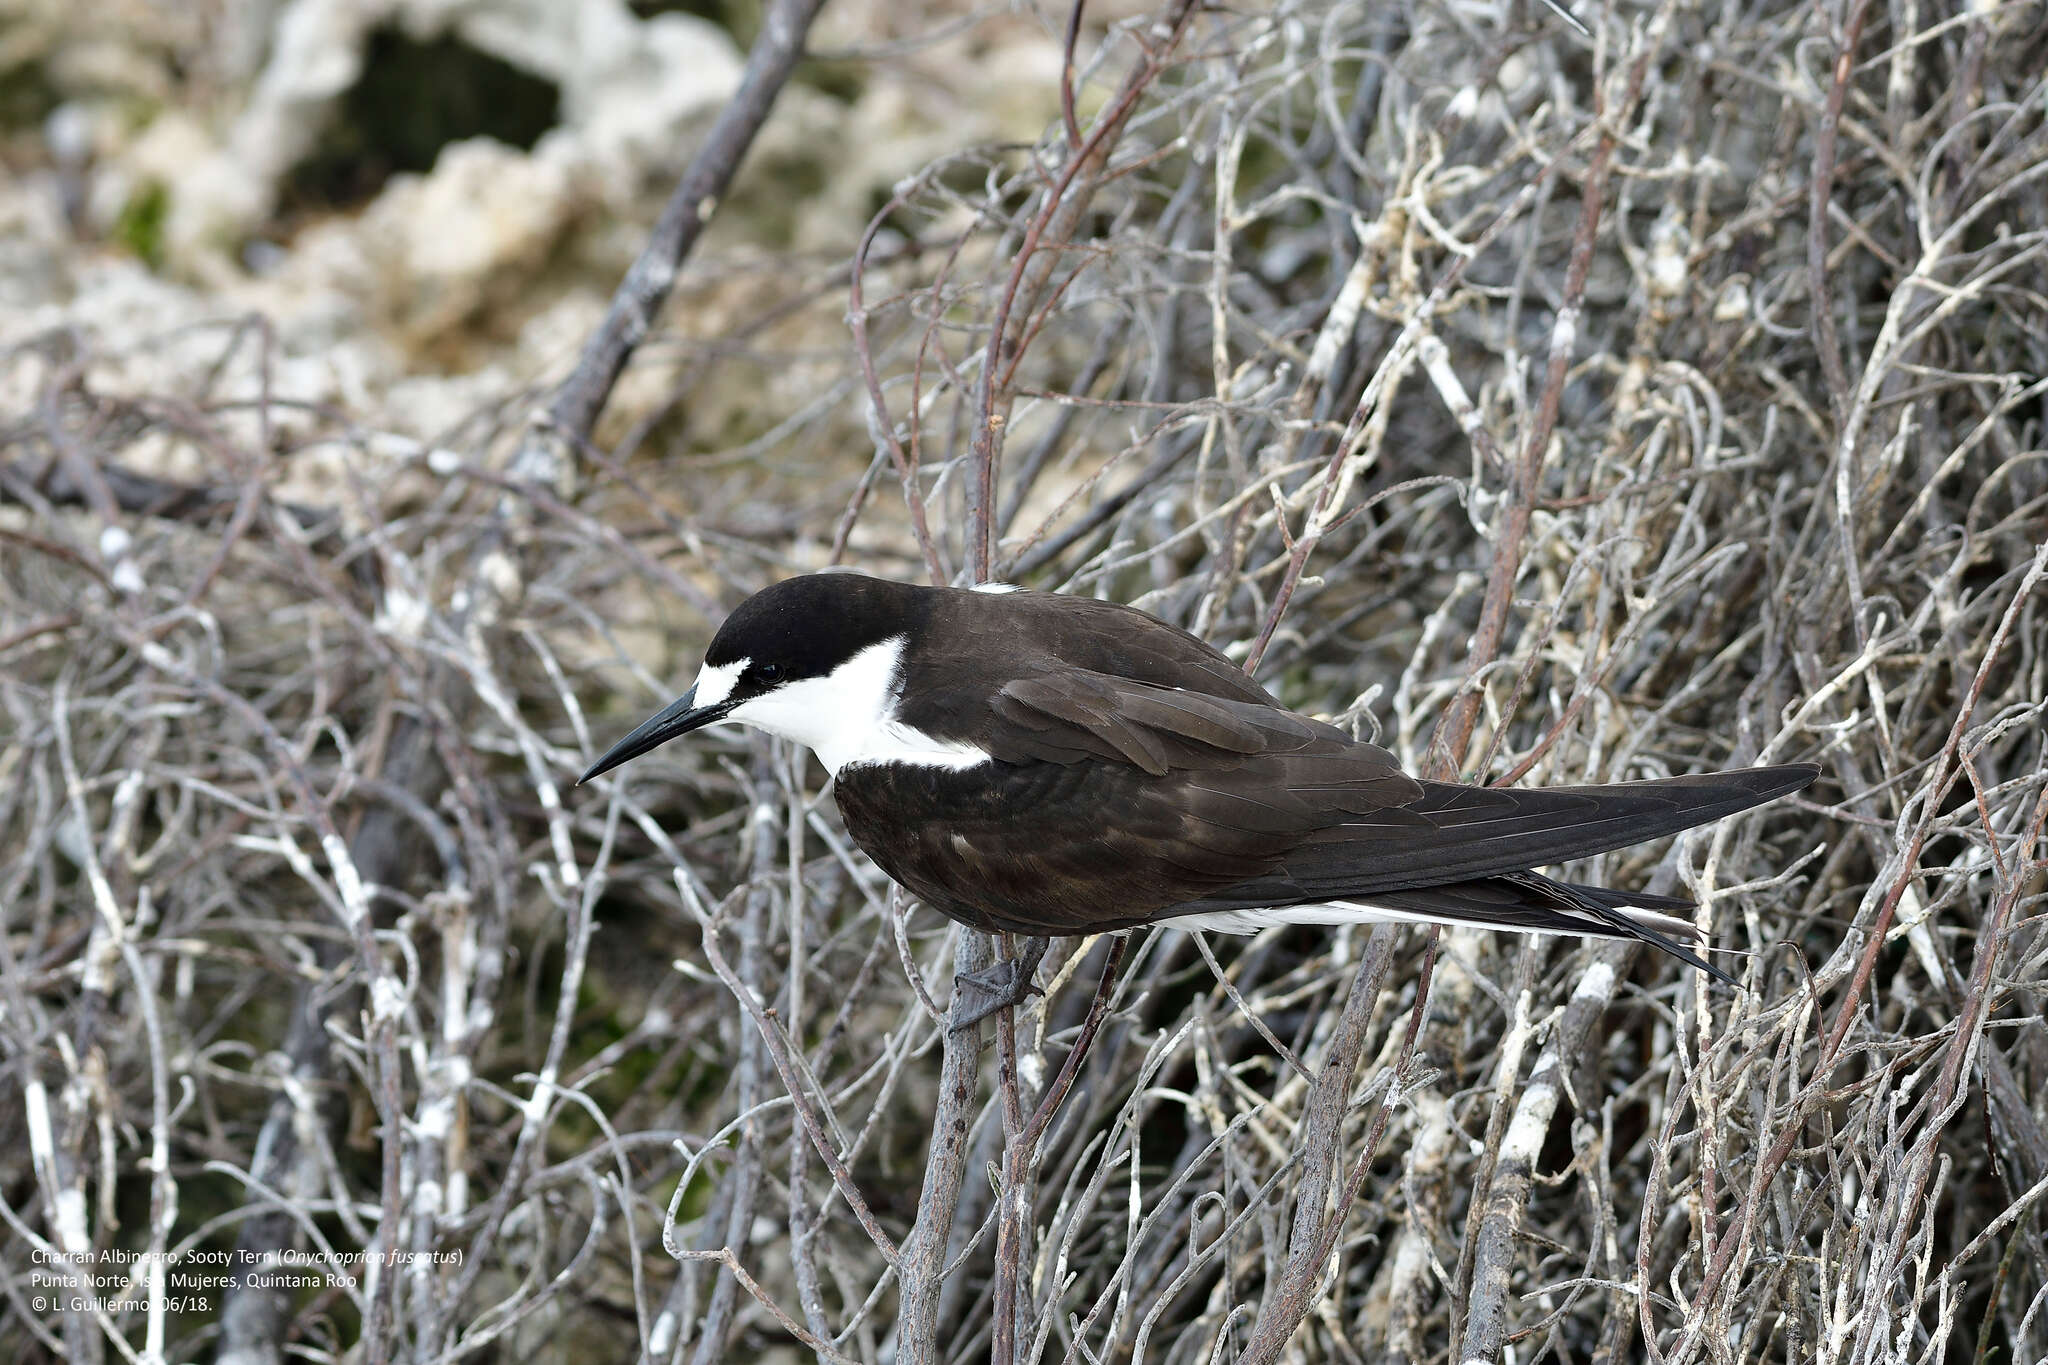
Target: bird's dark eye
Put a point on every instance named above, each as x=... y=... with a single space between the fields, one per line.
x=768 y=673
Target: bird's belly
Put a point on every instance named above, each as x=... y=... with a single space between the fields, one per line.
x=1034 y=848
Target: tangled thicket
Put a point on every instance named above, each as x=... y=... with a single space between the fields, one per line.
x=1463 y=372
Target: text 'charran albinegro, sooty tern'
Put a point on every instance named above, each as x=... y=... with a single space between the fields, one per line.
x=1054 y=765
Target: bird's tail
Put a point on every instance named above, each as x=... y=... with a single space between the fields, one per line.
x=1522 y=902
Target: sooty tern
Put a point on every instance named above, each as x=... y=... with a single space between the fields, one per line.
x=1055 y=765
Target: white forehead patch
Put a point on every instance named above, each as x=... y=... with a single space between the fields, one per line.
x=997 y=587
x=848 y=716
x=715 y=682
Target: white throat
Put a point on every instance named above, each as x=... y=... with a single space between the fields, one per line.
x=847 y=717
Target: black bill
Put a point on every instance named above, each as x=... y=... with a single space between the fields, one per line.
x=679 y=717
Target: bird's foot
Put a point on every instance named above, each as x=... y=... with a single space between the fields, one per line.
x=977 y=995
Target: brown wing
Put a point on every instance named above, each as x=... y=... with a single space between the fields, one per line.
x=1140 y=775
x=1120 y=642
x=1115 y=803
x=1113 y=800
x=1078 y=714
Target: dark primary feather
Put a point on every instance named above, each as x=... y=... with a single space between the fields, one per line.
x=1528 y=900
x=1533 y=903
x=1456 y=832
x=1223 y=800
